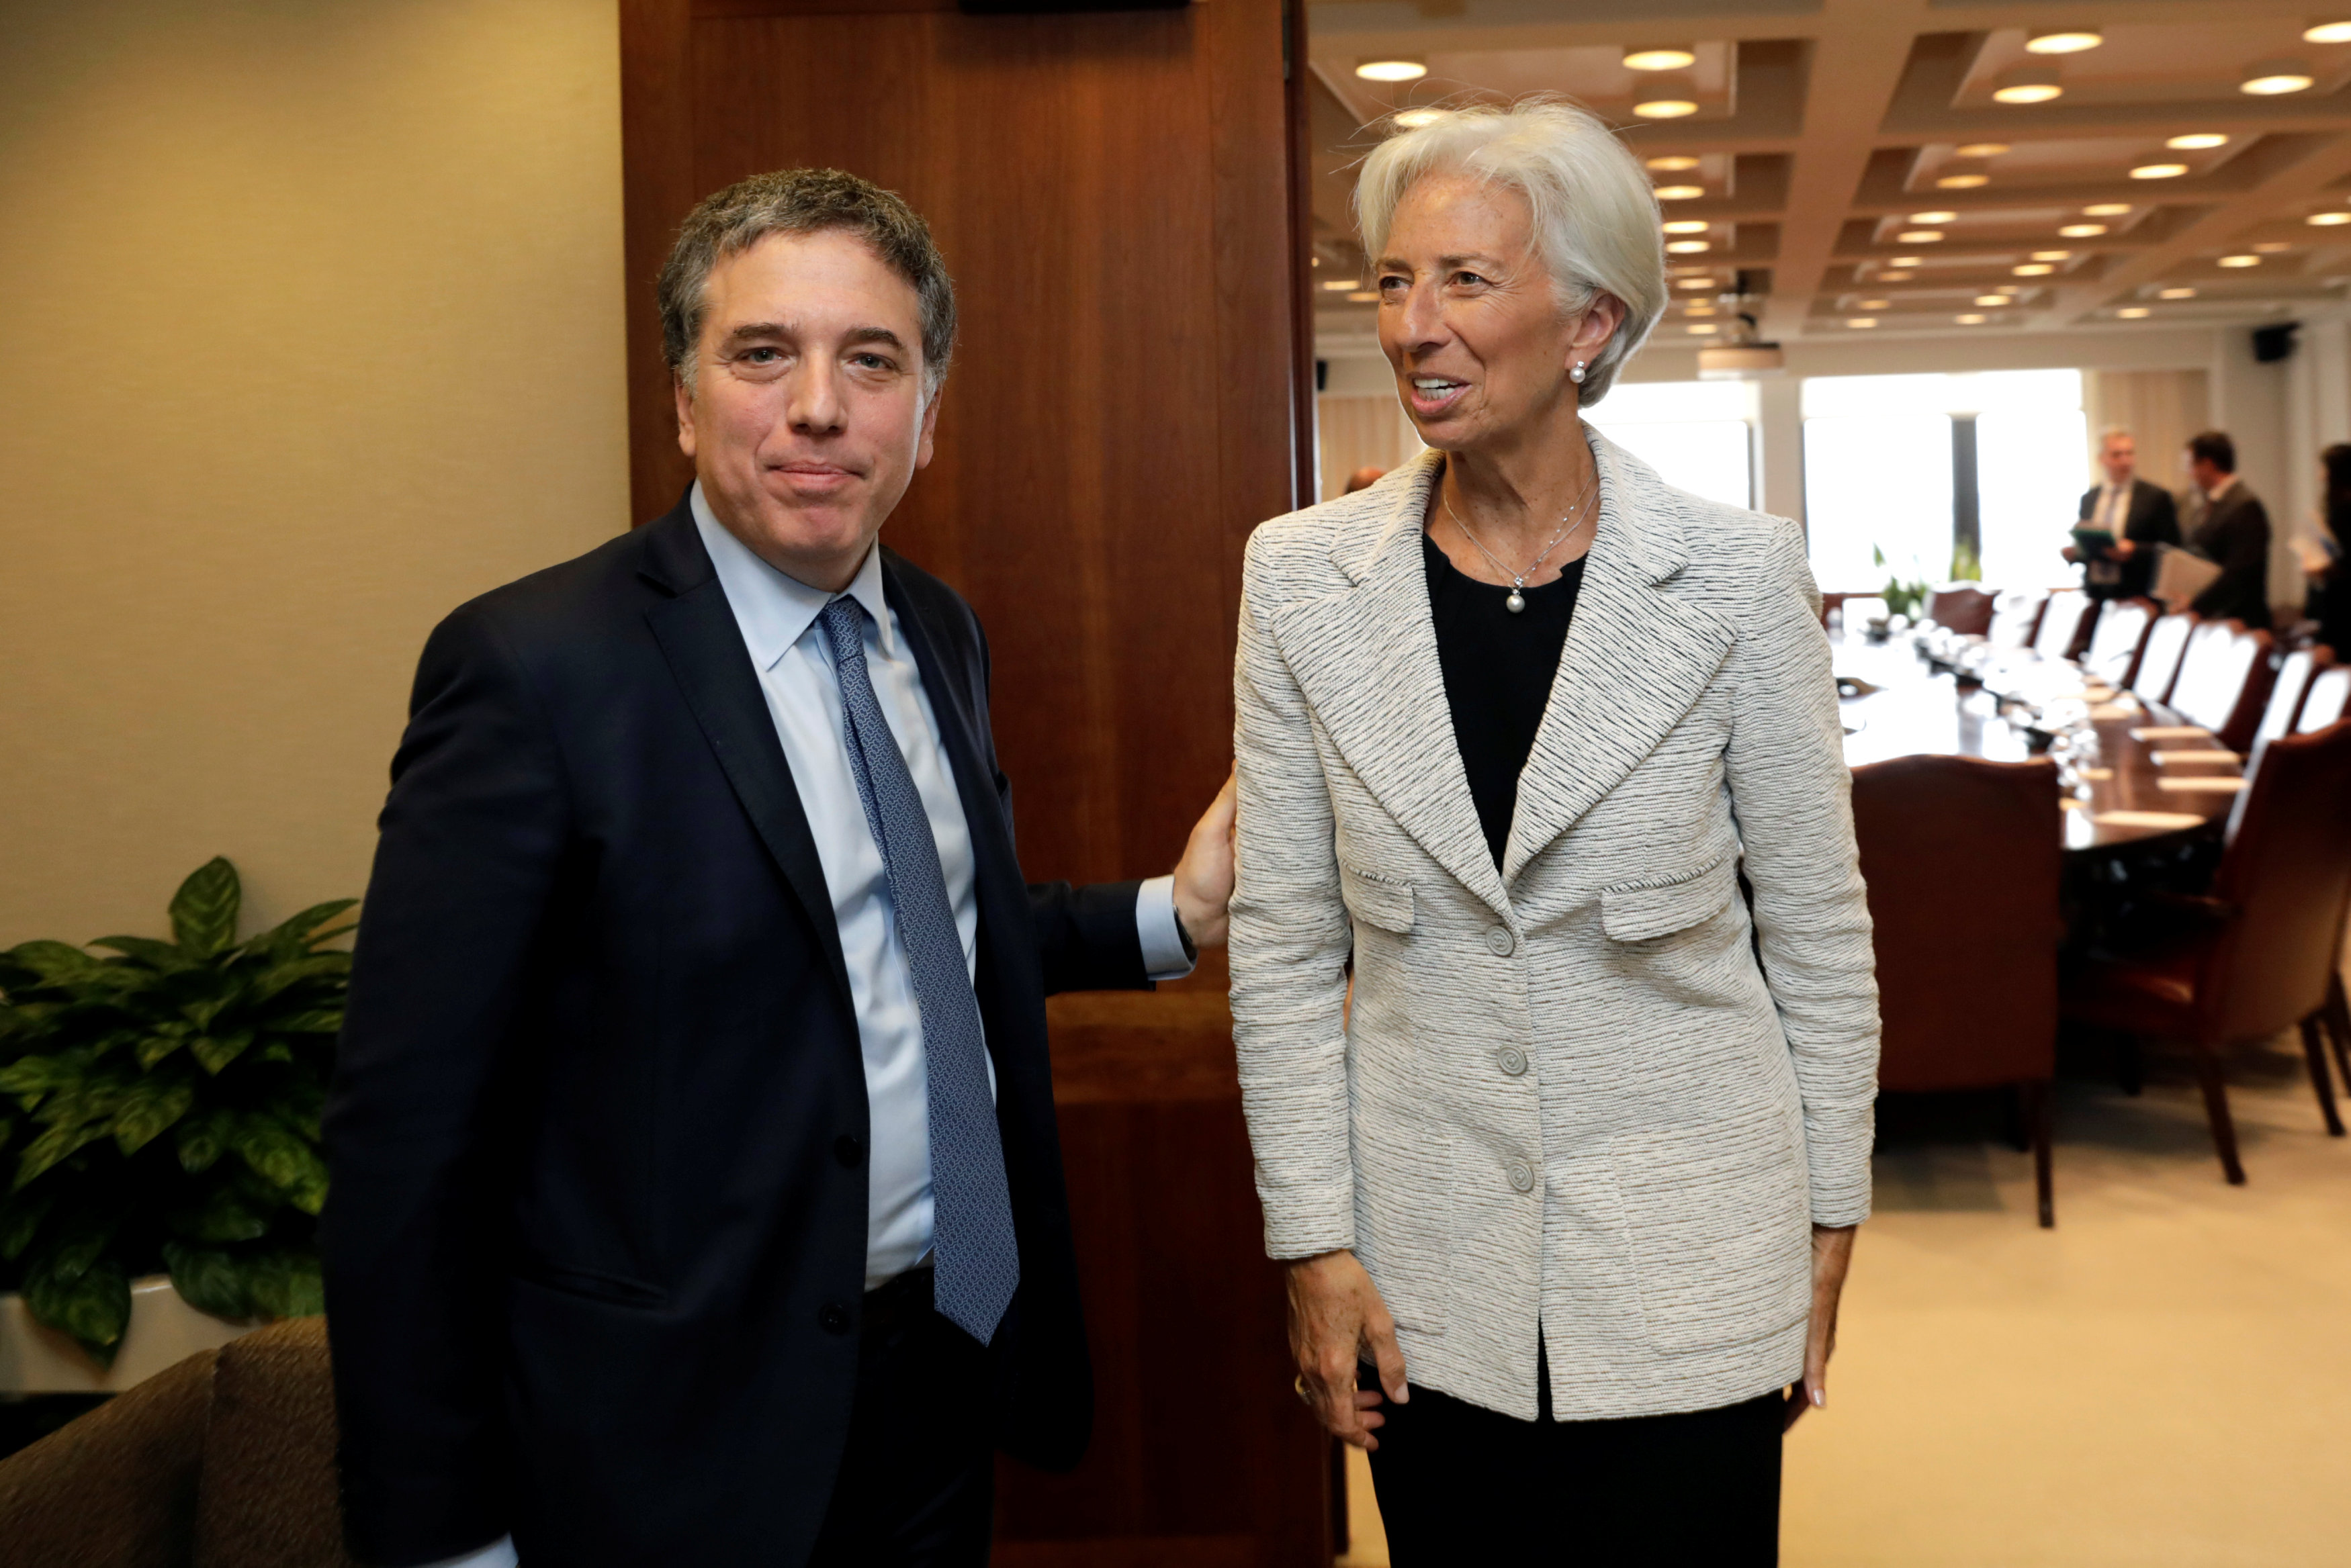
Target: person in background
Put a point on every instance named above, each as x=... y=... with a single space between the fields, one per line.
x=2138 y=514
x=1364 y=478
x=2330 y=578
x=2234 y=533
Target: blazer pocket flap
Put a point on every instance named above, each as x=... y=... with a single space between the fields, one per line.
x=1638 y=914
x=1375 y=900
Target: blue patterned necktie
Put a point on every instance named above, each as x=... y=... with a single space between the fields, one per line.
x=975 y=1251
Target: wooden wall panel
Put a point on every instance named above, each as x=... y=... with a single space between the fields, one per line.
x=1115 y=194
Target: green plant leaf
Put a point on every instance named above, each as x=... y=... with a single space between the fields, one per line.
x=201 y=1140
x=167 y=1038
x=317 y=1021
x=57 y=964
x=278 y=977
x=164 y=957
x=224 y=1216
x=148 y=1110
x=57 y=1143
x=91 y=1303
x=215 y=1053
x=203 y=911
x=286 y=1283
x=284 y=1158
x=34 y=1076
x=20 y=1220
x=208 y=1280
x=291 y=937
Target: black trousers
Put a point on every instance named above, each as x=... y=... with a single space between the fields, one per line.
x=1459 y=1484
x=917 y=1483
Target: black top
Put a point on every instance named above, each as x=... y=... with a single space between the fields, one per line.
x=1497 y=674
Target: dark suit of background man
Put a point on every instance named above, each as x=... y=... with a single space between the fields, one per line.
x=2138 y=514
x=2233 y=532
x=696 y=1195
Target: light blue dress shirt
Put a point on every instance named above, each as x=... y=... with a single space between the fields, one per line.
x=777 y=616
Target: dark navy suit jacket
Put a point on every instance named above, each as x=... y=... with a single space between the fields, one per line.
x=596 y=1242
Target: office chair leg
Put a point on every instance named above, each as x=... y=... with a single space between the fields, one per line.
x=2216 y=1108
x=2338 y=1026
x=2314 y=1050
x=2040 y=1115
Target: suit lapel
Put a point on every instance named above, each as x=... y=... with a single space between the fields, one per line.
x=704 y=646
x=1366 y=660
x=1636 y=659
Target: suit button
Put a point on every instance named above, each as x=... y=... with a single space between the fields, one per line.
x=1513 y=1060
x=1522 y=1176
x=1498 y=938
x=849 y=1148
x=833 y=1318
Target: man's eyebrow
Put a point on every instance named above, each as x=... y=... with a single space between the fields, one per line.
x=881 y=335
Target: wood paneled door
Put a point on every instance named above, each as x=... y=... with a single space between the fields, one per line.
x=1116 y=193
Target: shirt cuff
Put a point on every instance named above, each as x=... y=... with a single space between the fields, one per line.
x=498 y=1553
x=1163 y=957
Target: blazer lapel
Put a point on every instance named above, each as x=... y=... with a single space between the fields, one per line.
x=1636 y=659
x=1366 y=660
x=704 y=646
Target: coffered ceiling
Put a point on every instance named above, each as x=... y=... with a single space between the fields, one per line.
x=1851 y=156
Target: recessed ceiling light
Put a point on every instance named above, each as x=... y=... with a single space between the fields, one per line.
x=2240 y=261
x=1861 y=321
x=2052 y=255
x=1877 y=305
x=2107 y=210
x=1687 y=247
x=1698 y=283
x=1680 y=193
x=1394 y=71
x=1364 y=297
x=1933 y=217
x=1962 y=181
x=1887 y=277
x=1666 y=108
x=1672 y=58
x=2327 y=220
x=1687 y=226
x=1703 y=327
x=2159 y=171
x=2083 y=231
x=1970 y=320
x=2272 y=247
x=1981 y=150
x=1340 y=285
x=1698 y=309
x=2327 y=33
x=1920 y=236
x=1901 y=261
x=2272 y=77
x=2027 y=84
x=2132 y=312
x=1672 y=162
x=2195 y=141
x=2010 y=288
x=2175 y=293
x=2063 y=41
x=2034 y=269
x=1414 y=118
x=1991 y=300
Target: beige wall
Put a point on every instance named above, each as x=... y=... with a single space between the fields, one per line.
x=310 y=318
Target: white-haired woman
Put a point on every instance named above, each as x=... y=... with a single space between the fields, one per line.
x=1576 y=1179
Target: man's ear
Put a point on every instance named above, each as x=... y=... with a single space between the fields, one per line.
x=928 y=439
x=684 y=397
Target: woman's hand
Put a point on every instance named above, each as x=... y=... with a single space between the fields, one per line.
x=1337 y=1319
x=1832 y=1255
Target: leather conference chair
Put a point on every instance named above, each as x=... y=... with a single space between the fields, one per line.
x=1966 y=611
x=2159 y=663
x=225 y=1461
x=2224 y=683
x=2293 y=684
x=2258 y=953
x=1961 y=858
x=2324 y=704
x=2120 y=639
x=2064 y=623
x=2015 y=618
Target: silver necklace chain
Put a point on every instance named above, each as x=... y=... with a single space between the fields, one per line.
x=1516 y=601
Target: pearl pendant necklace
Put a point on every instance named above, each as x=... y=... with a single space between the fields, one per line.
x=1516 y=601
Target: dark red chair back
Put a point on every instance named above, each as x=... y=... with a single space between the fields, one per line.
x=1966 y=611
x=2287 y=872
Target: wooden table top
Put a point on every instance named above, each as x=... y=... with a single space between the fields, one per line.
x=2116 y=791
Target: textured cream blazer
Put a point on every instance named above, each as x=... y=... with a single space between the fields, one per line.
x=1568 y=1095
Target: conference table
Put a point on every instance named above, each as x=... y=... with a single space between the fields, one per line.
x=2107 y=744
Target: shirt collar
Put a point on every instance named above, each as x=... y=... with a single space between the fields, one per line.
x=774 y=608
x=2220 y=489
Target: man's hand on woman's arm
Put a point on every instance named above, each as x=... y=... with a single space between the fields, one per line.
x=1832 y=1255
x=1204 y=878
x=1337 y=1320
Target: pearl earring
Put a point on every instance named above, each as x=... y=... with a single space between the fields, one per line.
x=1576 y=374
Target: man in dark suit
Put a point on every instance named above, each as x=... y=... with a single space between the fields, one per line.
x=2233 y=532
x=696 y=1194
x=2138 y=514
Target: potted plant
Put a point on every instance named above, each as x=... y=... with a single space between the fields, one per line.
x=159 y=1112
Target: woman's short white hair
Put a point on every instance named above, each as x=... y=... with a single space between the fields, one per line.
x=1595 y=216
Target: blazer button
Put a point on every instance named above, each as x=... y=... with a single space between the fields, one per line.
x=1498 y=938
x=849 y=1150
x=1522 y=1176
x=833 y=1318
x=1513 y=1060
